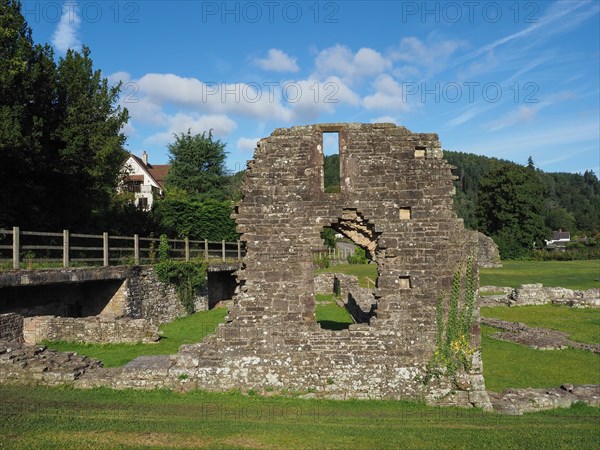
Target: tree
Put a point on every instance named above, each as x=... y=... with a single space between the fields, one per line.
x=60 y=133
x=91 y=153
x=198 y=166
x=509 y=209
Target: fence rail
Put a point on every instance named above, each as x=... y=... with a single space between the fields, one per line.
x=65 y=248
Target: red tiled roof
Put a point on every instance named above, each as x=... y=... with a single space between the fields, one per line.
x=157 y=171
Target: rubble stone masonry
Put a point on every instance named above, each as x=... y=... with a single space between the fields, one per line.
x=396 y=201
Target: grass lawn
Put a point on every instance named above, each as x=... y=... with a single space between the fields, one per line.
x=359 y=270
x=582 y=324
x=329 y=315
x=186 y=330
x=46 y=418
x=509 y=365
x=567 y=274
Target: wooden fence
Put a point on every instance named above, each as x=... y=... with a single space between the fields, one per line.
x=66 y=249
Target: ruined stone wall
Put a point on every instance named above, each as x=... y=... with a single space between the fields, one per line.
x=11 y=327
x=88 y=329
x=155 y=301
x=396 y=201
x=488 y=254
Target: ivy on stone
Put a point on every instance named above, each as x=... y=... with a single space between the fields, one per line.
x=188 y=277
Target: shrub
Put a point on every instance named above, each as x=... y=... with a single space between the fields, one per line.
x=358 y=257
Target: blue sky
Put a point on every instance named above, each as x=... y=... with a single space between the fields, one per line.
x=499 y=78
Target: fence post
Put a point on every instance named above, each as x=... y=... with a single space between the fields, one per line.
x=65 y=248
x=223 y=249
x=205 y=249
x=105 y=248
x=136 y=249
x=239 y=250
x=16 y=248
x=187 y=248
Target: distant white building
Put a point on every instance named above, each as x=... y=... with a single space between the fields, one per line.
x=559 y=238
x=144 y=179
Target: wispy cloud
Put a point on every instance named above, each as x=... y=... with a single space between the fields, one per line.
x=561 y=12
x=65 y=34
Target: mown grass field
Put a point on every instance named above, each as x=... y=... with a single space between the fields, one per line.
x=567 y=274
x=102 y=418
x=582 y=324
x=58 y=418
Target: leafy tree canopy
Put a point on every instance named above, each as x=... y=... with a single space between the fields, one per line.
x=198 y=166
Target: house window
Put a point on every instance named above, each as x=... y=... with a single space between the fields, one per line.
x=143 y=203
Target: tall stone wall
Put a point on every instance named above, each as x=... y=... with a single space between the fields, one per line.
x=396 y=201
x=158 y=302
x=11 y=327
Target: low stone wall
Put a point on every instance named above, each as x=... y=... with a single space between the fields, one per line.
x=88 y=329
x=11 y=327
x=518 y=401
x=537 y=294
x=155 y=301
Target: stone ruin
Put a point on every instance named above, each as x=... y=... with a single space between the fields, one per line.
x=395 y=201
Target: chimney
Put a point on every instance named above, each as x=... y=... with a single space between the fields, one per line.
x=145 y=157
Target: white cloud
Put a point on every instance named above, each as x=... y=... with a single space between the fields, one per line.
x=220 y=125
x=340 y=61
x=247 y=144
x=256 y=100
x=309 y=98
x=278 y=61
x=65 y=35
x=388 y=96
x=114 y=78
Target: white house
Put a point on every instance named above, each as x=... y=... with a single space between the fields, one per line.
x=559 y=238
x=144 y=179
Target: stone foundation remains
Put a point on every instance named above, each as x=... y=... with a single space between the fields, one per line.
x=537 y=294
x=88 y=329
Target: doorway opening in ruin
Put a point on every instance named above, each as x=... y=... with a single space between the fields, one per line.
x=331 y=161
x=348 y=299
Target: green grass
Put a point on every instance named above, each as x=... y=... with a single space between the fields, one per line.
x=567 y=274
x=186 y=330
x=509 y=365
x=359 y=270
x=47 y=418
x=582 y=324
x=329 y=315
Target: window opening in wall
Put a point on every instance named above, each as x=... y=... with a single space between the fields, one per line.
x=331 y=161
x=420 y=152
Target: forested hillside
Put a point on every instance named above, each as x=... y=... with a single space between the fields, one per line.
x=570 y=201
